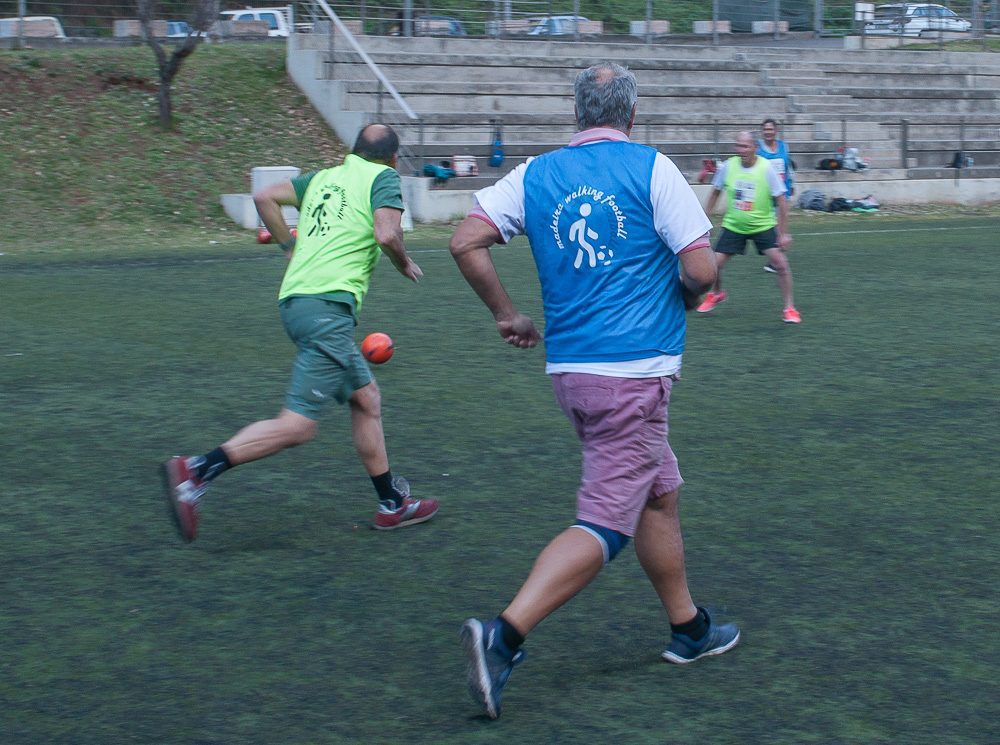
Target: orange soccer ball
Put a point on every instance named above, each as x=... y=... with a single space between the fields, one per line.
x=377 y=348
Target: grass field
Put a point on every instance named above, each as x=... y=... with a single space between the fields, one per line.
x=840 y=507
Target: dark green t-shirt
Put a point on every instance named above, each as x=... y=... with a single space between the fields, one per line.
x=339 y=271
x=387 y=191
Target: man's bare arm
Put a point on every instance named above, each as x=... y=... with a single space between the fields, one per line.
x=713 y=198
x=389 y=236
x=269 y=202
x=698 y=271
x=470 y=247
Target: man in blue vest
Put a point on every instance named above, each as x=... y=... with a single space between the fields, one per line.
x=777 y=154
x=621 y=245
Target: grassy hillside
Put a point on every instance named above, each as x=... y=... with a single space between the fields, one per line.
x=87 y=169
x=82 y=148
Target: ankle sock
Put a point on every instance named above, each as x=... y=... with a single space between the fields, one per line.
x=206 y=467
x=386 y=491
x=512 y=638
x=694 y=629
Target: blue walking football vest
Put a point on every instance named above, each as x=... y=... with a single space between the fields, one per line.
x=610 y=285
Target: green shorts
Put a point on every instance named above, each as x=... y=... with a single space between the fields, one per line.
x=329 y=363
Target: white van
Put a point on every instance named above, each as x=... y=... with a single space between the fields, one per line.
x=277 y=19
x=36 y=27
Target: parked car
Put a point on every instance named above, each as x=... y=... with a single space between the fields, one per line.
x=38 y=27
x=915 y=19
x=438 y=26
x=180 y=30
x=557 y=26
x=276 y=18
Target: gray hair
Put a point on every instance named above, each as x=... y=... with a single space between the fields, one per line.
x=605 y=95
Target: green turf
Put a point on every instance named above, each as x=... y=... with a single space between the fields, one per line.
x=839 y=507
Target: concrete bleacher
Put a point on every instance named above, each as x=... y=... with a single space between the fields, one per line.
x=692 y=99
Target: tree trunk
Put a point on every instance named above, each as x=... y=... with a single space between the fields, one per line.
x=204 y=13
x=166 y=106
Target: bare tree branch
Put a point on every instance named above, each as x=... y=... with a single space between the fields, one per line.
x=202 y=17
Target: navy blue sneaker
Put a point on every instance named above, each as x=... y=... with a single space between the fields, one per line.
x=489 y=664
x=719 y=638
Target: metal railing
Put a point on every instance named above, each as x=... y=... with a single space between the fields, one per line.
x=406 y=154
x=939 y=140
x=648 y=21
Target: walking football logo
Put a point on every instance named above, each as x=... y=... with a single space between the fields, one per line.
x=589 y=221
x=329 y=205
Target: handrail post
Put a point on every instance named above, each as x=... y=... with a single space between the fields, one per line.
x=423 y=153
x=960 y=161
x=331 y=50
x=904 y=142
x=22 y=11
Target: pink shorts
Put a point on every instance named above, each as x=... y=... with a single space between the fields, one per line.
x=622 y=424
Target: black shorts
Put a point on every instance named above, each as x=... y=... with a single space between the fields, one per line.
x=736 y=243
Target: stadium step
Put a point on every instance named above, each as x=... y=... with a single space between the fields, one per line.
x=692 y=98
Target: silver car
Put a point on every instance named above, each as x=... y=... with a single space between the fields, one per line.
x=557 y=25
x=915 y=19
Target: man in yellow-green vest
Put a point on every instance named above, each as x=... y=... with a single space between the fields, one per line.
x=347 y=216
x=756 y=210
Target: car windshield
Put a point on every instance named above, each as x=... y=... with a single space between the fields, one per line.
x=888 y=12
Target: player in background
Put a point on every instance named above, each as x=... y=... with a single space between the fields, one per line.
x=776 y=151
x=756 y=210
x=347 y=214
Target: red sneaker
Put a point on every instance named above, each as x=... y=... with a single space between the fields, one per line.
x=411 y=512
x=711 y=300
x=790 y=315
x=184 y=494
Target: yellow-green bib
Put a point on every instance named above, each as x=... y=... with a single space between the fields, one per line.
x=335 y=250
x=751 y=207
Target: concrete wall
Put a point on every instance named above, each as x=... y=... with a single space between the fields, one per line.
x=429 y=205
x=132 y=28
x=305 y=68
